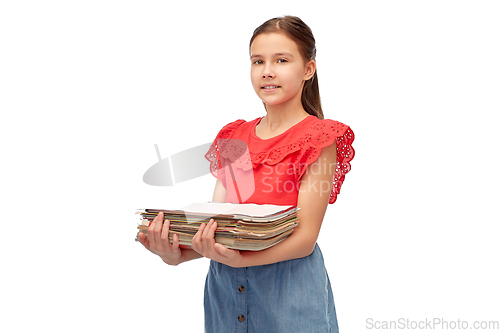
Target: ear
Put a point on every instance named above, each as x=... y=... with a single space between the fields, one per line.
x=310 y=70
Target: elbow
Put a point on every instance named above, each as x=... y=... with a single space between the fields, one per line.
x=307 y=247
x=310 y=248
x=304 y=243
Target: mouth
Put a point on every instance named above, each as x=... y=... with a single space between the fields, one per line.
x=270 y=87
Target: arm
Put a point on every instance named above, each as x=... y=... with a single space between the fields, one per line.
x=314 y=194
x=220 y=192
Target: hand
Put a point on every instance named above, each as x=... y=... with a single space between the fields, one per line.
x=158 y=242
x=204 y=243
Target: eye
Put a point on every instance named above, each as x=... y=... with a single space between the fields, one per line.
x=258 y=62
x=282 y=61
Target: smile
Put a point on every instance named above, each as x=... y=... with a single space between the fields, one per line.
x=270 y=87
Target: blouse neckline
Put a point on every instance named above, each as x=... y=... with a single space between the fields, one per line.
x=258 y=120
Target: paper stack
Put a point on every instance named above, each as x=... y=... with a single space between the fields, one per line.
x=239 y=226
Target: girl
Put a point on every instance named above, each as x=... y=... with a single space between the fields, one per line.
x=296 y=158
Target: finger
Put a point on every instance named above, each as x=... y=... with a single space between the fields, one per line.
x=196 y=236
x=204 y=232
x=196 y=241
x=165 y=241
x=211 y=231
x=151 y=228
x=208 y=240
x=222 y=250
x=175 y=244
x=143 y=240
x=208 y=229
x=157 y=229
x=151 y=231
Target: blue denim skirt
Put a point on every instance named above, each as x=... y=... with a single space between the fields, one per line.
x=288 y=296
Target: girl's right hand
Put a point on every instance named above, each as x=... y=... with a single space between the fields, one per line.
x=158 y=243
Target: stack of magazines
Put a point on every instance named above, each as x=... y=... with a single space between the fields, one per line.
x=239 y=226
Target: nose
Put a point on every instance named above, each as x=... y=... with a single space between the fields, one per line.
x=268 y=73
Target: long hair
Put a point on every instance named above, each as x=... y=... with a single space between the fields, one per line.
x=295 y=29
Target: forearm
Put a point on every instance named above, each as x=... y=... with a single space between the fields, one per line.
x=295 y=246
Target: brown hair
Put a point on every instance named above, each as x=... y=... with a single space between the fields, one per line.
x=295 y=29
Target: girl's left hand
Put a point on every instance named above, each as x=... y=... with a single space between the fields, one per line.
x=204 y=243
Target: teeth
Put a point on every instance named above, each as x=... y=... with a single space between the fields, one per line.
x=270 y=87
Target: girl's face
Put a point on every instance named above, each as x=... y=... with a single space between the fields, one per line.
x=278 y=71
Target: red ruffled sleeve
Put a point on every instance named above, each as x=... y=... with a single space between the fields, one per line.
x=214 y=153
x=322 y=134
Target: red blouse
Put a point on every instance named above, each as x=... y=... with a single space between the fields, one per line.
x=269 y=171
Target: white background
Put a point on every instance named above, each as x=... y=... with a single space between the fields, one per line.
x=88 y=87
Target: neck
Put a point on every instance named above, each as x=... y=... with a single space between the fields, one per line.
x=284 y=114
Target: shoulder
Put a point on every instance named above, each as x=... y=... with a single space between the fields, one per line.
x=320 y=135
x=327 y=127
x=323 y=132
x=229 y=129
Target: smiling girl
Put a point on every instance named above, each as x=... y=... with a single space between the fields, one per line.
x=296 y=158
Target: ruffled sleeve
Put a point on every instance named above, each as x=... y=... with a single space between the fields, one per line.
x=214 y=153
x=323 y=134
